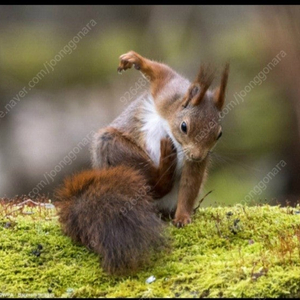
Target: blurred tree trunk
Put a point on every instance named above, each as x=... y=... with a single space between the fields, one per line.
x=282 y=25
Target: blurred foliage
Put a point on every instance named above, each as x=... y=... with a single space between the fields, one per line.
x=90 y=62
x=257 y=132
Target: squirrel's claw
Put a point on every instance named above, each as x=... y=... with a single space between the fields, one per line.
x=180 y=222
x=128 y=60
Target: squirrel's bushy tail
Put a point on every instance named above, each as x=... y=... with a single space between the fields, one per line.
x=111 y=212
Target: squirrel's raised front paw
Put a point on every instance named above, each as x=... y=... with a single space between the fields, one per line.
x=181 y=221
x=128 y=60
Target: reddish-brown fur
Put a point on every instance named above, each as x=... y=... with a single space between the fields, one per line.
x=159 y=74
x=195 y=102
x=192 y=176
x=111 y=210
x=93 y=209
x=117 y=148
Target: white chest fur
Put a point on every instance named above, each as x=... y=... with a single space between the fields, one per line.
x=155 y=128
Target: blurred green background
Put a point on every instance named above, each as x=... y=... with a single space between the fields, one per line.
x=82 y=91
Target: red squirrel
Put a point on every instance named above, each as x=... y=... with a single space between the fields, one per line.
x=154 y=157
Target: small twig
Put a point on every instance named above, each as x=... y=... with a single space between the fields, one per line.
x=20 y=206
x=218 y=229
x=10 y=213
x=201 y=200
x=29 y=201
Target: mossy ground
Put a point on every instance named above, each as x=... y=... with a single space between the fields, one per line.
x=237 y=251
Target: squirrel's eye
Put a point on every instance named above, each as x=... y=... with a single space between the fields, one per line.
x=220 y=134
x=183 y=127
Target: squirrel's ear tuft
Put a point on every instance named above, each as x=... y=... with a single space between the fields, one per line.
x=191 y=93
x=219 y=93
x=199 y=87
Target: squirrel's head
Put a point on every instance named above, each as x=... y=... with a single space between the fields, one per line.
x=196 y=124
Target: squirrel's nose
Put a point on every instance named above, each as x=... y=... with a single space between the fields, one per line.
x=195 y=158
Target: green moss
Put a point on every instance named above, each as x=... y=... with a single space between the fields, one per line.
x=237 y=251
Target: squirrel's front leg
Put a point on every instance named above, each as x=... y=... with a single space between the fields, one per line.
x=157 y=73
x=191 y=179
